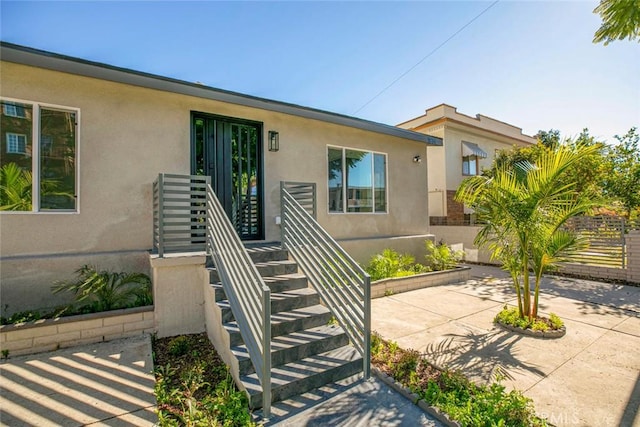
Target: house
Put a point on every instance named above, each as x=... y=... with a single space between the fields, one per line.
x=95 y=137
x=470 y=145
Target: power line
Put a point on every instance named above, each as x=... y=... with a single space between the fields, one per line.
x=427 y=56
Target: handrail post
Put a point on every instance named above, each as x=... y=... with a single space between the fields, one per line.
x=161 y=215
x=266 y=353
x=282 y=215
x=366 y=358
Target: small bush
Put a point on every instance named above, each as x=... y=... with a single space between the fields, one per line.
x=179 y=346
x=440 y=256
x=510 y=316
x=106 y=290
x=390 y=264
x=468 y=403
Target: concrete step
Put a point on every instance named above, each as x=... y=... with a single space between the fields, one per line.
x=278 y=284
x=265 y=269
x=297 y=345
x=268 y=253
x=280 y=301
x=292 y=379
x=286 y=322
x=276 y=268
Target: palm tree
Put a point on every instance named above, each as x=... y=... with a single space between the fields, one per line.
x=524 y=207
x=15 y=188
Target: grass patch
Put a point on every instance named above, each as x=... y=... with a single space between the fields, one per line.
x=468 y=403
x=193 y=385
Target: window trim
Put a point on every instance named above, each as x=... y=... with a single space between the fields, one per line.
x=35 y=157
x=344 y=187
x=14 y=113
x=477 y=162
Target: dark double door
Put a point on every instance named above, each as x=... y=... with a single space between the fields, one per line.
x=230 y=152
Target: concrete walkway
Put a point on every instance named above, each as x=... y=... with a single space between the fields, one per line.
x=107 y=384
x=590 y=377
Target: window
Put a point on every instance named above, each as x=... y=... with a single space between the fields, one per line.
x=16 y=143
x=357 y=181
x=471 y=153
x=13 y=109
x=41 y=153
x=470 y=165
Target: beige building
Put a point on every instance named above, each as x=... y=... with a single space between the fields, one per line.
x=469 y=145
x=90 y=139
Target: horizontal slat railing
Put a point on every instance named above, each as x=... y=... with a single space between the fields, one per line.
x=343 y=285
x=249 y=297
x=179 y=213
x=606 y=237
x=187 y=217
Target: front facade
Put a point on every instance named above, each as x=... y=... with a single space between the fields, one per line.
x=93 y=138
x=470 y=145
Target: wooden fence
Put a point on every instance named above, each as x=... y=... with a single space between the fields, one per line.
x=606 y=236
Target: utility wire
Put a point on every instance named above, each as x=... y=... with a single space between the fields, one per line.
x=427 y=56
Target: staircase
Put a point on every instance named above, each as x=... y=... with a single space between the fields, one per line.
x=308 y=348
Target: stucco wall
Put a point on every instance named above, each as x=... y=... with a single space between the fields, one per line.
x=128 y=134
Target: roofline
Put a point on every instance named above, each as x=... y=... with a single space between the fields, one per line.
x=10 y=52
x=444 y=119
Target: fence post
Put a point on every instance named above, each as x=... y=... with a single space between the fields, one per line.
x=282 y=215
x=161 y=215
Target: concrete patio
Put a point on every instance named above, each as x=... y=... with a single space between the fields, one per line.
x=109 y=383
x=590 y=377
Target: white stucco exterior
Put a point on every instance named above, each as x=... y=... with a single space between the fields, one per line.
x=131 y=128
x=444 y=163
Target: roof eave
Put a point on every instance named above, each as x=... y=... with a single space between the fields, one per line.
x=38 y=58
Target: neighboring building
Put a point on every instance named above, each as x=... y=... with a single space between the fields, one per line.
x=470 y=145
x=95 y=137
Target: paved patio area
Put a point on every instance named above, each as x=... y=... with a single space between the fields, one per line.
x=107 y=384
x=590 y=377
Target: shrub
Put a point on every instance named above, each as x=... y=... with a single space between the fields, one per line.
x=106 y=290
x=441 y=257
x=390 y=264
x=450 y=391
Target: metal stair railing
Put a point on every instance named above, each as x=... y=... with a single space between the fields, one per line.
x=249 y=297
x=179 y=214
x=345 y=288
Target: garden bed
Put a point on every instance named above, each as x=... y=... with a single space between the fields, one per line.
x=397 y=285
x=51 y=334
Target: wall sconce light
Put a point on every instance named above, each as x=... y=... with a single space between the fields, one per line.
x=274 y=141
x=417 y=159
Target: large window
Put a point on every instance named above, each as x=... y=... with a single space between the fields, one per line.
x=38 y=170
x=357 y=181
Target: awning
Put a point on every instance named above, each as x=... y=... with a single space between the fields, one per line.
x=471 y=149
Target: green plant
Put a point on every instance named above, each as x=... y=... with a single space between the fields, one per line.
x=15 y=188
x=195 y=388
x=5 y=353
x=388 y=292
x=21 y=317
x=390 y=264
x=523 y=207
x=555 y=321
x=441 y=257
x=106 y=290
x=450 y=391
x=179 y=346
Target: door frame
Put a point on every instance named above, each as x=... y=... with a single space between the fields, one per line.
x=260 y=176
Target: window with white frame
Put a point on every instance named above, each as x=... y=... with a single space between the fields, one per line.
x=40 y=142
x=471 y=154
x=357 y=181
x=13 y=110
x=16 y=143
x=470 y=165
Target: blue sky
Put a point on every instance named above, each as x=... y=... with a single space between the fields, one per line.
x=531 y=64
